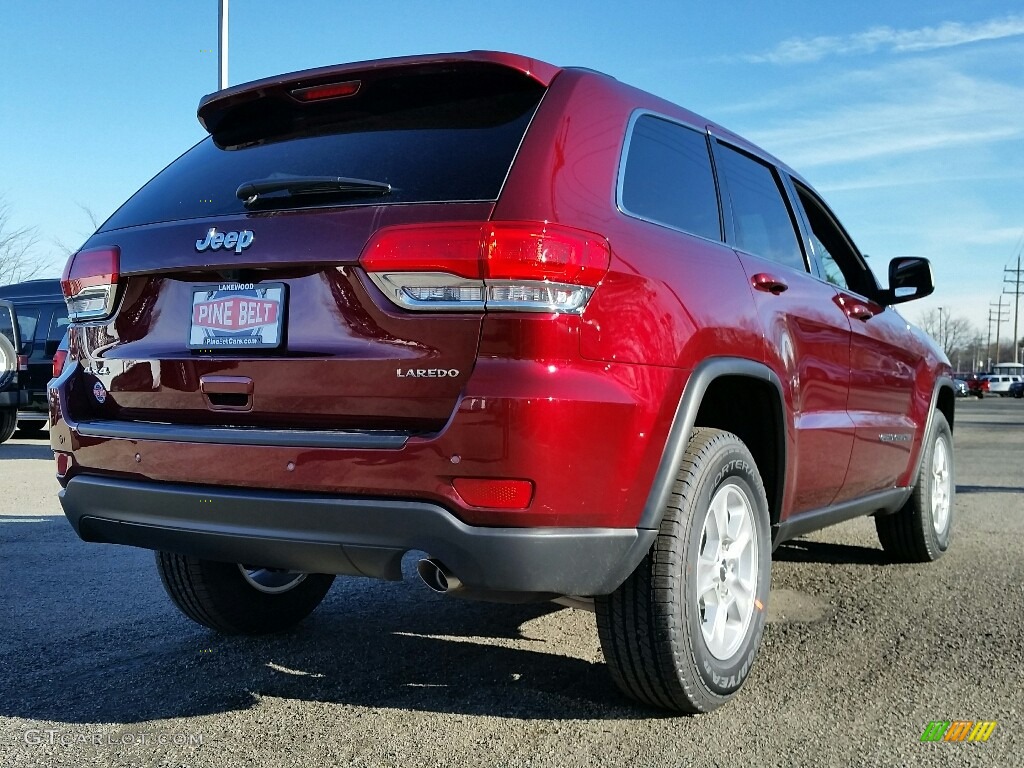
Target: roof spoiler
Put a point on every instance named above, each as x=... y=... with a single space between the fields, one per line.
x=214 y=107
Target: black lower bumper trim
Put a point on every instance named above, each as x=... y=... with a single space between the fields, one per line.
x=352 y=536
x=191 y=433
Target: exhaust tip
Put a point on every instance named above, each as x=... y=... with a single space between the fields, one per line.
x=437 y=577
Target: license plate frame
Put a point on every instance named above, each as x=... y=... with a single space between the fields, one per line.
x=237 y=316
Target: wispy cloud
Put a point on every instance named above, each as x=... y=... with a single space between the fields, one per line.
x=947 y=35
x=902 y=109
x=927 y=177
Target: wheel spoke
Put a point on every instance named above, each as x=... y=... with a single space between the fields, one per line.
x=718 y=628
x=742 y=539
x=738 y=513
x=743 y=596
x=707 y=577
x=720 y=514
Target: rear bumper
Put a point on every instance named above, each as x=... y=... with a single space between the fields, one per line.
x=352 y=536
x=587 y=435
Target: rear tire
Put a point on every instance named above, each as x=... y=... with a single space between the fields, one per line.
x=8 y=423
x=31 y=428
x=682 y=631
x=240 y=601
x=921 y=531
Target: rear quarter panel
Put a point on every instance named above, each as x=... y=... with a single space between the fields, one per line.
x=669 y=300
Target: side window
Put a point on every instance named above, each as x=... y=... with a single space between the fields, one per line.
x=59 y=324
x=28 y=318
x=761 y=220
x=667 y=177
x=841 y=263
x=829 y=266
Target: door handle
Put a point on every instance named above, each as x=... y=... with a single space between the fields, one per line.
x=762 y=281
x=858 y=311
x=854 y=308
x=225 y=385
x=227 y=393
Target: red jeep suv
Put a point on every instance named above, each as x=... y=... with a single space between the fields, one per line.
x=569 y=340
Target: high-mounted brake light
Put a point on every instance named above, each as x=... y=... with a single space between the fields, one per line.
x=521 y=266
x=89 y=283
x=329 y=91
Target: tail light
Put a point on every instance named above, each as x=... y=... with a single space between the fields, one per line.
x=89 y=283
x=22 y=362
x=58 y=362
x=519 y=266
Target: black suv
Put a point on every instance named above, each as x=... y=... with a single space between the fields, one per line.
x=9 y=390
x=42 y=318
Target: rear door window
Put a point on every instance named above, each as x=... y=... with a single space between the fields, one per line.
x=28 y=319
x=59 y=324
x=666 y=177
x=57 y=328
x=761 y=220
x=434 y=137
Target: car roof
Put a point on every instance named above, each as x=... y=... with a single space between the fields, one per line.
x=33 y=290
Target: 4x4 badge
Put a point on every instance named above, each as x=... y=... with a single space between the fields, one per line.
x=216 y=240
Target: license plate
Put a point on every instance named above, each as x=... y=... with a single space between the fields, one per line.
x=237 y=316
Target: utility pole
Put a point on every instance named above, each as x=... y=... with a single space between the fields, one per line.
x=998 y=320
x=988 y=342
x=1015 y=282
x=222 y=47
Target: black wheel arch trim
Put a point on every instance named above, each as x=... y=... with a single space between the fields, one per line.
x=941 y=382
x=686 y=417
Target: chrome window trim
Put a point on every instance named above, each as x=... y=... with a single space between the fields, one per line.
x=621 y=173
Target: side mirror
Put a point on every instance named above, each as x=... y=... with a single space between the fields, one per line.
x=909 y=278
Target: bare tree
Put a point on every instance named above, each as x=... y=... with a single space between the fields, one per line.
x=17 y=261
x=953 y=334
x=94 y=220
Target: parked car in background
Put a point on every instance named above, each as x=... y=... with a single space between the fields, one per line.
x=10 y=392
x=960 y=388
x=999 y=384
x=1016 y=389
x=42 y=322
x=571 y=340
x=978 y=386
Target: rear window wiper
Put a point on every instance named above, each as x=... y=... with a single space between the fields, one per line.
x=251 y=191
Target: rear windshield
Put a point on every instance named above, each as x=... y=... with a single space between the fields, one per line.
x=434 y=137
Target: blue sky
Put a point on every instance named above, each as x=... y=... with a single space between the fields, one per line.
x=907 y=117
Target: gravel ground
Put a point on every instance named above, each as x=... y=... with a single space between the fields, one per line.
x=97 y=667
